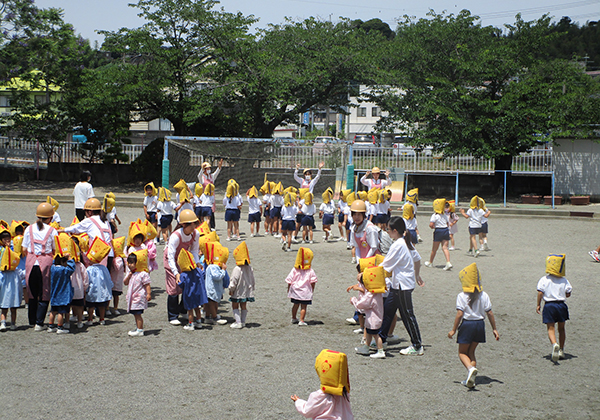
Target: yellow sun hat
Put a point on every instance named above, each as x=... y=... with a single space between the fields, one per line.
x=413 y=195
x=470 y=278
x=164 y=194
x=289 y=199
x=185 y=261
x=332 y=368
x=555 y=265
x=370 y=262
x=10 y=260
x=98 y=250
x=241 y=254
x=439 y=205
x=142 y=260
x=304 y=258
x=374 y=279
x=54 y=203
x=327 y=195
x=154 y=189
x=180 y=186
x=119 y=246
x=62 y=245
x=474 y=202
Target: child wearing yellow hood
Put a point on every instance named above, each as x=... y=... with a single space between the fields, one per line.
x=472 y=305
x=254 y=211
x=151 y=203
x=241 y=285
x=554 y=289
x=440 y=224
x=301 y=284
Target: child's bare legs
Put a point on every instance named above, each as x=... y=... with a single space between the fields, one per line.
x=13 y=316
x=452 y=239
x=101 y=312
x=78 y=312
x=341 y=228
x=377 y=338
x=236 y=229
x=474 y=246
x=305 y=233
x=302 y=311
x=190 y=314
x=229 y=229
x=445 y=250
x=211 y=309
x=561 y=334
x=60 y=319
x=139 y=321
x=3 y=315
x=310 y=233
x=295 y=307
x=466 y=354
x=327 y=230
x=115 y=302
x=434 y=250
x=52 y=318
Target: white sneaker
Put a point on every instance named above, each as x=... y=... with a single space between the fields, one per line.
x=353 y=260
x=53 y=329
x=365 y=350
x=2 y=326
x=351 y=321
x=89 y=323
x=448 y=266
x=561 y=353
x=427 y=264
x=419 y=240
x=236 y=326
x=277 y=235
x=348 y=246
x=451 y=248
x=252 y=235
x=80 y=325
x=476 y=254
x=198 y=324
x=175 y=322
x=189 y=327
x=38 y=328
x=67 y=325
x=486 y=247
x=373 y=345
x=62 y=331
x=471 y=378
x=310 y=242
x=108 y=312
x=302 y=324
x=411 y=351
x=379 y=355
x=295 y=241
x=358 y=331
x=228 y=239
x=594 y=256
x=284 y=246
x=136 y=333
x=102 y=322
x=221 y=321
x=555 y=351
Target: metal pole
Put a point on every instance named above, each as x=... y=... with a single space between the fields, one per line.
x=456 y=191
x=553 y=189
x=37 y=160
x=165 y=165
x=505 y=189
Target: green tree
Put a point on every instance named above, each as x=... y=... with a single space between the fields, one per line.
x=466 y=89
x=165 y=63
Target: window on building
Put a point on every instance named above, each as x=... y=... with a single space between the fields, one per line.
x=4 y=101
x=362 y=112
x=40 y=99
x=376 y=111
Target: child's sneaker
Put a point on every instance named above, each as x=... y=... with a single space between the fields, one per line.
x=555 y=351
x=62 y=331
x=450 y=248
x=358 y=331
x=295 y=320
x=236 y=326
x=13 y=326
x=302 y=324
x=470 y=382
x=198 y=324
x=38 y=328
x=3 y=326
x=486 y=247
x=348 y=246
x=379 y=355
x=102 y=322
x=561 y=354
x=351 y=321
x=412 y=351
x=448 y=266
x=67 y=326
x=80 y=325
x=51 y=329
x=427 y=264
x=364 y=349
x=594 y=256
x=89 y=323
x=419 y=240
x=476 y=254
x=136 y=333
x=353 y=260
x=189 y=327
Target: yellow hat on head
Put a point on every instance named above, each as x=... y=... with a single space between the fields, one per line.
x=253 y=192
x=198 y=189
x=388 y=194
x=302 y=192
x=439 y=205
x=205 y=240
x=15 y=224
x=413 y=195
x=151 y=232
x=233 y=188
x=4 y=224
x=75 y=251
x=363 y=195
x=180 y=186
x=84 y=242
x=98 y=250
x=216 y=254
x=291 y=189
x=451 y=206
x=209 y=189
x=481 y=203
x=278 y=188
x=111 y=195
x=119 y=246
x=408 y=212
x=266 y=188
x=185 y=261
x=54 y=225
x=18 y=244
x=344 y=195
x=470 y=278
x=204 y=228
x=135 y=229
x=142 y=260
x=304 y=258
x=184 y=196
x=164 y=194
x=241 y=254
x=374 y=279
x=10 y=260
x=308 y=198
x=289 y=199
x=382 y=195
x=332 y=368
x=474 y=202
x=351 y=198
x=62 y=245
x=151 y=185
x=54 y=203
x=373 y=195
x=327 y=195
x=108 y=204
x=555 y=265
x=373 y=261
x=375 y=170
x=75 y=221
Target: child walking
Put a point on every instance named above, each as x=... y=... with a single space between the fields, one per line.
x=191 y=282
x=371 y=304
x=554 y=289
x=475 y=215
x=254 y=211
x=327 y=212
x=288 y=220
x=452 y=222
x=441 y=233
x=138 y=289
x=331 y=400
x=241 y=286
x=166 y=210
x=301 y=284
x=233 y=207
x=472 y=304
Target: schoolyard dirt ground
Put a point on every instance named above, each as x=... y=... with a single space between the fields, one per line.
x=217 y=372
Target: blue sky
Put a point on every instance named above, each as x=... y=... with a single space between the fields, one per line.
x=90 y=15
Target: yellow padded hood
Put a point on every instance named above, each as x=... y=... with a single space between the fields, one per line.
x=233 y=188
x=198 y=189
x=351 y=198
x=451 y=206
x=10 y=260
x=291 y=189
x=241 y=255
x=327 y=195
x=304 y=258
x=253 y=192
x=370 y=262
x=119 y=246
x=180 y=186
x=108 y=204
x=289 y=199
x=332 y=368
x=184 y=196
x=142 y=260
x=408 y=211
x=154 y=189
x=15 y=224
x=164 y=194
x=18 y=244
x=344 y=195
x=439 y=205
x=481 y=203
x=204 y=228
x=374 y=279
x=266 y=188
x=373 y=195
x=151 y=232
x=54 y=203
x=63 y=245
x=302 y=192
x=470 y=278
x=135 y=229
x=555 y=265
x=98 y=250
x=413 y=195
x=474 y=202
x=308 y=198
x=216 y=254
x=186 y=261
x=363 y=195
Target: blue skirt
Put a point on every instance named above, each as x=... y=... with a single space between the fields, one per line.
x=555 y=311
x=327 y=219
x=289 y=225
x=471 y=332
x=308 y=221
x=232 y=215
x=412 y=235
x=254 y=217
x=341 y=218
x=484 y=227
x=276 y=213
x=441 y=234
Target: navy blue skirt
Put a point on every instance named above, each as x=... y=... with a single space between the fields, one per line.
x=289 y=225
x=232 y=215
x=341 y=218
x=556 y=311
x=474 y=231
x=327 y=219
x=471 y=332
x=276 y=213
x=166 y=220
x=441 y=234
x=308 y=221
x=299 y=218
x=484 y=227
x=412 y=236
x=254 y=217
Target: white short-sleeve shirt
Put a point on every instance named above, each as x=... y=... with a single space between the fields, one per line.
x=554 y=288
x=478 y=309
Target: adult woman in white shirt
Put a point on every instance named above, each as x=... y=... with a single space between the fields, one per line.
x=82 y=192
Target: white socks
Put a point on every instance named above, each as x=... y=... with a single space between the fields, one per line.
x=236 y=316
x=244 y=313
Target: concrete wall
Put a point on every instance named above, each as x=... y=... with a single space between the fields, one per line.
x=577 y=167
